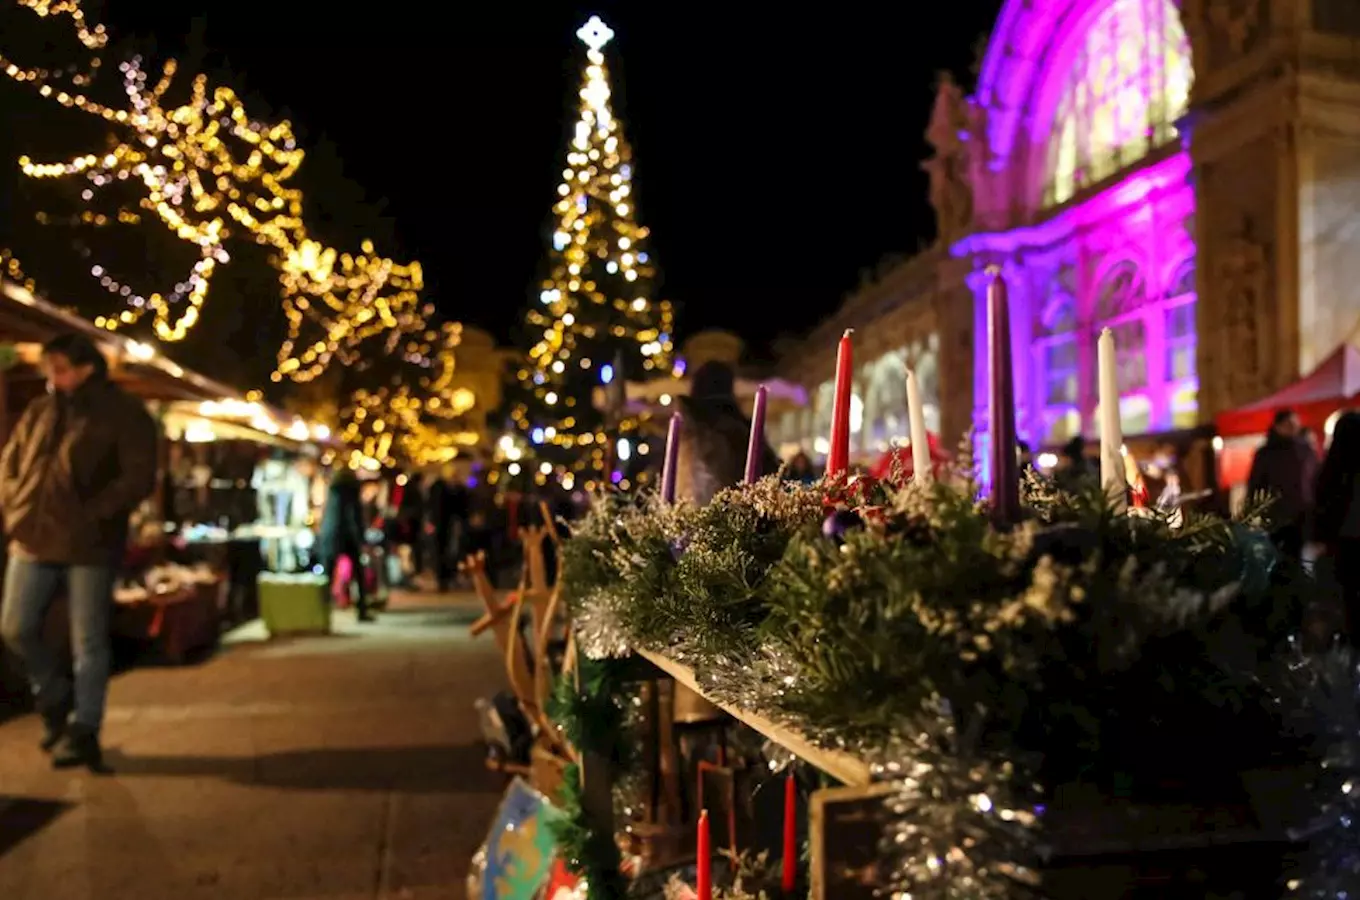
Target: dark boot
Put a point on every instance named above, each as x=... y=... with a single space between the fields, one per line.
x=79 y=747
x=54 y=725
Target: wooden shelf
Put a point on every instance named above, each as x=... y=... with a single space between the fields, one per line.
x=836 y=763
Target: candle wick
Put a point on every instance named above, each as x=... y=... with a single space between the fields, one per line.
x=848 y=332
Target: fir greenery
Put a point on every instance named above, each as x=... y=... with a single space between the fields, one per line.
x=1079 y=643
x=592 y=717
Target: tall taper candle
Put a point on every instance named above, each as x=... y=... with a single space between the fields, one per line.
x=1111 y=433
x=672 y=459
x=703 y=882
x=838 y=457
x=789 y=873
x=1001 y=401
x=755 y=448
x=920 y=440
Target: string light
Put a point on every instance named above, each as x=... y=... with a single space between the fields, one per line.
x=596 y=300
x=208 y=171
x=420 y=427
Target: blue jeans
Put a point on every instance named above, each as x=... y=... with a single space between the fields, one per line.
x=30 y=588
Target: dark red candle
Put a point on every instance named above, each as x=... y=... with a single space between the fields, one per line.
x=1001 y=403
x=838 y=456
x=703 y=882
x=790 y=835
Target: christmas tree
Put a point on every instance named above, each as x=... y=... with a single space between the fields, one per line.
x=596 y=320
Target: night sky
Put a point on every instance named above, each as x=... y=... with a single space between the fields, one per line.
x=776 y=155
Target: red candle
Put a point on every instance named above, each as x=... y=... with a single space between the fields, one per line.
x=1001 y=403
x=838 y=457
x=790 y=834
x=703 y=882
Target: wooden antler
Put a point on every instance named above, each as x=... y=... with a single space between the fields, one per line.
x=532 y=537
x=543 y=634
x=503 y=622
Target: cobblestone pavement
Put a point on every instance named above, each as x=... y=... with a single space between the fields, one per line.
x=340 y=767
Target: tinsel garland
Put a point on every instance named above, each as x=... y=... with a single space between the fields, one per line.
x=592 y=714
x=1318 y=696
x=924 y=641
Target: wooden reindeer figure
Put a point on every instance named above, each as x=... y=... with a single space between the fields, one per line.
x=531 y=684
x=500 y=618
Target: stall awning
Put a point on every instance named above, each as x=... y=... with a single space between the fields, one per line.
x=1333 y=385
x=27 y=319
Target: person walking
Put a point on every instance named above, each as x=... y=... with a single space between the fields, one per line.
x=714 y=438
x=1337 y=519
x=342 y=534
x=1284 y=469
x=79 y=462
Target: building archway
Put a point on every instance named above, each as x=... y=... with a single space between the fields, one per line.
x=1083 y=100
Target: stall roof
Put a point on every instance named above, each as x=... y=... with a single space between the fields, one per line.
x=25 y=318
x=1333 y=385
x=144 y=372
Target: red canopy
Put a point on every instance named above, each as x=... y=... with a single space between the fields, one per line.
x=1333 y=385
x=899 y=459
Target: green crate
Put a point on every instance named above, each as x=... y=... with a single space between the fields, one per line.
x=295 y=604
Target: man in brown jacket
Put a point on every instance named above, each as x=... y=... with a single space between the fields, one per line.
x=78 y=463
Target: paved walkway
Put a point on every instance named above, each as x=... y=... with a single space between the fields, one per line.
x=343 y=767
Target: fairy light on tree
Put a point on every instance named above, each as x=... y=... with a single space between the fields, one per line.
x=207 y=172
x=596 y=309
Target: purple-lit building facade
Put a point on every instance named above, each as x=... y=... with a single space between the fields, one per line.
x=1082 y=197
x=1149 y=166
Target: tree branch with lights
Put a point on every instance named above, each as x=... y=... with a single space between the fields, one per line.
x=206 y=171
x=596 y=317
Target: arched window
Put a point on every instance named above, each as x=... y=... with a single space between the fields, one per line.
x=1128 y=84
x=1180 y=324
x=1058 y=351
x=1120 y=299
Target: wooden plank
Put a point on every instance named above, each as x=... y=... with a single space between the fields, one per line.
x=843 y=826
x=838 y=764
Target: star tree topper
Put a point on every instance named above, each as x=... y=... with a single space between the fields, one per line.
x=595 y=34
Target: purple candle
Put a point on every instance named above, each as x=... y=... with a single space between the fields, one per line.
x=1001 y=403
x=672 y=458
x=755 y=450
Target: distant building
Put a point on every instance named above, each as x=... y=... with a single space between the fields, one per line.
x=480 y=373
x=1187 y=175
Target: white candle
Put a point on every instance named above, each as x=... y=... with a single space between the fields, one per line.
x=1111 y=437
x=920 y=441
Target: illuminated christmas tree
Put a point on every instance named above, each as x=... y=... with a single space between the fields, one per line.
x=596 y=318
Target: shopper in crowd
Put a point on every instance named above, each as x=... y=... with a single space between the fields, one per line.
x=447 y=524
x=1337 y=518
x=78 y=463
x=1285 y=469
x=715 y=436
x=410 y=519
x=343 y=526
x=800 y=469
x=1077 y=470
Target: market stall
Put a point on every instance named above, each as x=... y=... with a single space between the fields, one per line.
x=1317 y=398
x=243 y=488
x=198 y=547
x=870 y=687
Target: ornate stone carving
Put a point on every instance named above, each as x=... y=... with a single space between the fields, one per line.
x=951 y=134
x=1236 y=21
x=1241 y=274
